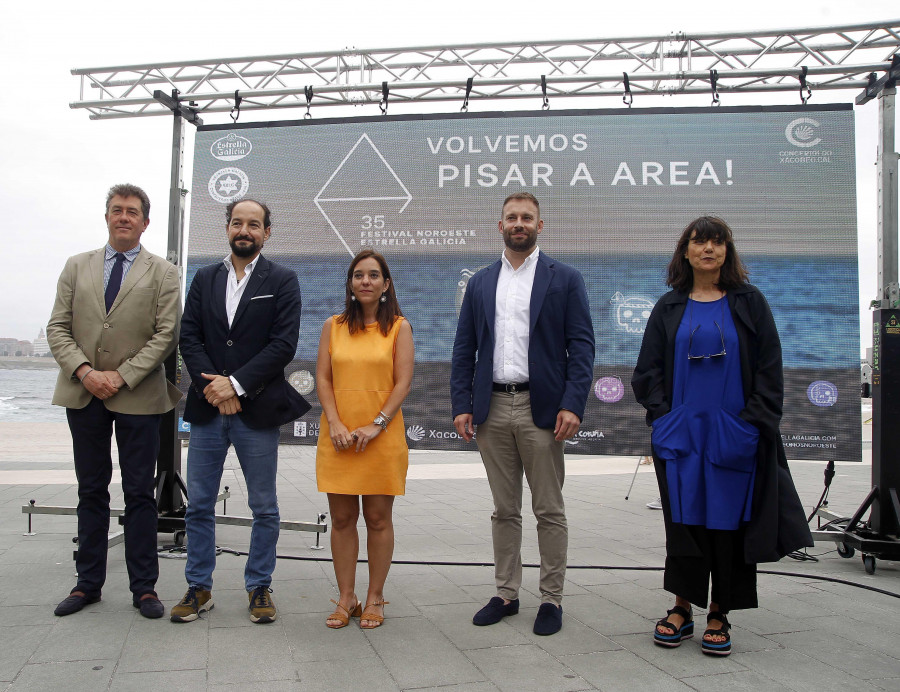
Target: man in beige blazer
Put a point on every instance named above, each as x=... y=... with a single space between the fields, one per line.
x=114 y=321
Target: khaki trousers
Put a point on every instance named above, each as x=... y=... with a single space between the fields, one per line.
x=510 y=445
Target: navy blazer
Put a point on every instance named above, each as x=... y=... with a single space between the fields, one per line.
x=560 y=344
x=260 y=343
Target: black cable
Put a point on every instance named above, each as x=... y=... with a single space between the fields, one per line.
x=802 y=556
x=829 y=476
x=833 y=580
x=834 y=522
x=635 y=568
x=822 y=500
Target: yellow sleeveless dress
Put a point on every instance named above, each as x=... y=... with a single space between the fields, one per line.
x=362 y=372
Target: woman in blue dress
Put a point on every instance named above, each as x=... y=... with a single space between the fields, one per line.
x=709 y=374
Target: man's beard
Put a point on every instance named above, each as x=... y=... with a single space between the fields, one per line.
x=527 y=243
x=244 y=250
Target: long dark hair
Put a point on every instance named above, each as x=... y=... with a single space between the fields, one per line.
x=387 y=312
x=733 y=274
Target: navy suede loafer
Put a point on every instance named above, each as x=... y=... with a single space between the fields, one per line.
x=150 y=607
x=495 y=611
x=73 y=604
x=548 y=620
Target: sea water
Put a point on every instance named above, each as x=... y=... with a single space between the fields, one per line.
x=25 y=396
x=813 y=298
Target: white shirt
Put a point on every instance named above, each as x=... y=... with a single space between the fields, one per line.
x=512 y=323
x=234 y=289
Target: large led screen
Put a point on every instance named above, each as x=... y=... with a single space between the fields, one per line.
x=616 y=189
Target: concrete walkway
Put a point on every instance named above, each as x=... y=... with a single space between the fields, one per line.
x=808 y=634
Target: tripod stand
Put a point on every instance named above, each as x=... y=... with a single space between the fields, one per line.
x=880 y=535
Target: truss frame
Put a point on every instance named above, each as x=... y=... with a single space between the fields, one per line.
x=780 y=60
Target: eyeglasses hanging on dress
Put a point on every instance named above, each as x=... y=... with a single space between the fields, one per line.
x=694 y=329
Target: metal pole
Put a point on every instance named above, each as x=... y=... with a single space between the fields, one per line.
x=177 y=193
x=887 y=199
x=169 y=459
x=886 y=332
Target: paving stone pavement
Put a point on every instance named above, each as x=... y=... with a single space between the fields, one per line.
x=807 y=634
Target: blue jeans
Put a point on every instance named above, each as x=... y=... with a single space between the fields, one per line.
x=257 y=452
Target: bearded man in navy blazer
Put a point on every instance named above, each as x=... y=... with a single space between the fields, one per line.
x=522 y=369
x=239 y=331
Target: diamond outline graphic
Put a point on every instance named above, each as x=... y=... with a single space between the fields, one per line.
x=318 y=198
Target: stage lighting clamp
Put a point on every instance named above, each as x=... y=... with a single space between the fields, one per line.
x=465 y=106
x=546 y=105
x=173 y=103
x=385 y=92
x=713 y=78
x=236 y=109
x=876 y=85
x=804 y=70
x=309 y=94
x=627 y=97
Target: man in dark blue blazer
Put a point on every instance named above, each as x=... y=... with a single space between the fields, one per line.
x=522 y=369
x=239 y=331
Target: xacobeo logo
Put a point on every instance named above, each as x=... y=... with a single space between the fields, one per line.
x=802 y=132
x=415 y=432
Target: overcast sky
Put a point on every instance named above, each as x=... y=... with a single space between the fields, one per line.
x=57 y=164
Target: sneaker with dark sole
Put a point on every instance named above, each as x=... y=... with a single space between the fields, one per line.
x=262 y=608
x=195 y=601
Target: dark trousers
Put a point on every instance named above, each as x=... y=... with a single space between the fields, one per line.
x=137 y=438
x=696 y=555
x=722 y=562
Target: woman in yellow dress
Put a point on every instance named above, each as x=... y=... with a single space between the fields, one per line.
x=363 y=374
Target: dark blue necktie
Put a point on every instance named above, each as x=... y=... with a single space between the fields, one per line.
x=115 y=281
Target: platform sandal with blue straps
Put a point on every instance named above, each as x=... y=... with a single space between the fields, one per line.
x=722 y=648
x=686 y=631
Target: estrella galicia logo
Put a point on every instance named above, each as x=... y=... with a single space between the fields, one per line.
x=822 y=393
x=231 y=147
x=415 y=432
x=228 y=184
x=802 y=132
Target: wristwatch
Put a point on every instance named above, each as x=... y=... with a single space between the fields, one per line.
x=381 y=421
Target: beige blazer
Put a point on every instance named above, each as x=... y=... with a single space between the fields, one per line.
x=140 y=330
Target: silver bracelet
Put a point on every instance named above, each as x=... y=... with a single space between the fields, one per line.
x=385 y=416
x=85 y=375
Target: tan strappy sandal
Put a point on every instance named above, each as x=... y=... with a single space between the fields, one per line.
x=342 y=615
x=372 y=615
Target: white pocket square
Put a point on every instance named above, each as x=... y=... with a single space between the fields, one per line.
x=271 y=295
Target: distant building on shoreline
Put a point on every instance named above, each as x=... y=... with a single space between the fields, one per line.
x=41 y=347
x=15 y=347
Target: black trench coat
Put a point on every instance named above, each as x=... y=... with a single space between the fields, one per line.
x=778 y=525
